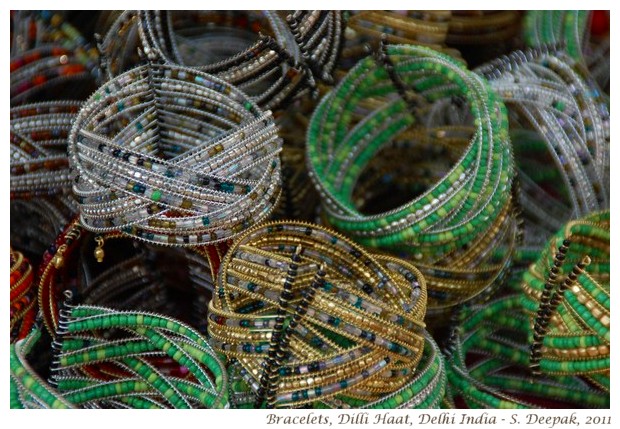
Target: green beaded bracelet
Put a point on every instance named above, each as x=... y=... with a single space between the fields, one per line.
x=461 y=224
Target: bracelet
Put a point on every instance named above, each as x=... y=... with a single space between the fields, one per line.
x=309 y=315
x=128 y=275
x=288 y=56
x=487 y=360
x=23 y=296
x=461 y=230
x=39 y=164
x=366 y=28
x=130 y=359
x=28 y=389
x=173 y=156
x=566 y=296
x=556 y=108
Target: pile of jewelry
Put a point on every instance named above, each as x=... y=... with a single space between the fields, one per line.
x=310 y=209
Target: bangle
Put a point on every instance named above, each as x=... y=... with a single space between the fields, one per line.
x=173 y=156
x=23 y=296
x=39 y=164
x=132 y=277
x=460 y=231
x=566 y=296
x=131 y=359
x=119 y=47
x=365 y=30
x=310 y=316
x=560 y=131
x=28 y=390
x=283 y=60
x=487 y=360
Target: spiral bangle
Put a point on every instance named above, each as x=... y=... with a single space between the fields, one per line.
x=554 y=103
x=305 y=306
x=488 y=359
x=470 y=204
x=173 y=156
x=286 y=59
x=157 y=362
x=566 y=296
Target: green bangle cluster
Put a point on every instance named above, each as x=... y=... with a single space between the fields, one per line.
x=28 y=390
x=489 y=358
x=460 y=224
x=156 y=363
x=569 y=306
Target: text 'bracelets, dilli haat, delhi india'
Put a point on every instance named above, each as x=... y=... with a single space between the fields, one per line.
x=459 y=230
x=173 y=156
x=309 y=318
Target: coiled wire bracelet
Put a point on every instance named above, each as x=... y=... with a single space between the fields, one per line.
x=566 y=296
x=311 y=317
x=173 y=156
x=460 y=230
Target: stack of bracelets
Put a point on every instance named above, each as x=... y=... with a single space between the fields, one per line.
x=41 y=200
x=311 y=209
x=173 y=156
x=585 y=35
x=560 y=130
x=309 y=318
x=566 y=296
x=459 y=230
x=39 y=163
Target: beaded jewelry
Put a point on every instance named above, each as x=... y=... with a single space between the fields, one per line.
x=566 y=296
x=48 y=52
x=173 y=156
x=28 y=389
x=366 y=28
x=460 y=230
x=554 y=107
x=288 y=56
x=487 y=360
x=39 y=164
x=310 y=317
x=132 y=359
